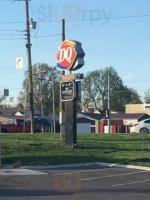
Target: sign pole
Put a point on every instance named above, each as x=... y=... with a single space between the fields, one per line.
x=62 y=104
x=70 y=126
x=0 y=146
x=109 y=120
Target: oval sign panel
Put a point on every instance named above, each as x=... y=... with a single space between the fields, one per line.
x=70 y=55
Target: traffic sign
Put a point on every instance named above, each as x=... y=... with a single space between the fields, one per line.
x=72 y=77
x=67 y=91
x=19 y=63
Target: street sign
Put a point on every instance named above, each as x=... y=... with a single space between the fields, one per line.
x=70 y=56
x=67 y=91
x=72 y=77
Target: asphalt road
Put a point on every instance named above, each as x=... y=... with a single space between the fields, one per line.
x=90 y=183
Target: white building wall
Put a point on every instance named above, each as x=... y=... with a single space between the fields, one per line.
x=83 y=128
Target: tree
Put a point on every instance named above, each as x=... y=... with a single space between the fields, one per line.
x=1 y=101
x=147 y=96
x=125 y=96
x=6 y=101
x=49 y=76
x=95 y=91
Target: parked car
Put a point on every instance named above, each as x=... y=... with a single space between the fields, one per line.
x=141 y=127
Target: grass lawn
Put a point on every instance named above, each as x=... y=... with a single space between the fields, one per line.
x=47 y=149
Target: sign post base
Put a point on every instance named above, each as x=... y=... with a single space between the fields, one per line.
x=70 y=124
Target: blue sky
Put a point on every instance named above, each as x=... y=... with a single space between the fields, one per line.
x=123 y=43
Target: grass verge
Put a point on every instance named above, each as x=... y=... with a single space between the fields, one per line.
x=48 y=149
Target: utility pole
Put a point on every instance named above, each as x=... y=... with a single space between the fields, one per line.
x=62 y=104
x=28 y=45
x=42 y=111
x=41 y=79
x=0 y=144
x=63 y=30
x=41 y=85
x=54 y=121
x=25 y=108
x=109 y=119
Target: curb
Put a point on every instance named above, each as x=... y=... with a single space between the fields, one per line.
x=123 y=166
x=42 y=167
x=59 y=166
x=86 y=165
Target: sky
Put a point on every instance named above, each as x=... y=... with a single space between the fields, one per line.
x=113 y=33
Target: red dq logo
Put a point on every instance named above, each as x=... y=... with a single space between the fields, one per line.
x=66 y=55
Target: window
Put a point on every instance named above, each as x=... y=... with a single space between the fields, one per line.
x=147 y=121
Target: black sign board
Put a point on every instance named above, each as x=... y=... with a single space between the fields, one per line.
x=67 y=91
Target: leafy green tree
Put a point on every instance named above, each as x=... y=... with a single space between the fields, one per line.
x=147 y=96
x=2 y=98
x=8 y=102
x=95 y=91
x=49 y=76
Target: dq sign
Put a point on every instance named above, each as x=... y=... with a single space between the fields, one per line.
x=70 y=56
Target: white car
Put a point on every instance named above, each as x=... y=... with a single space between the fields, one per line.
x=141 y=127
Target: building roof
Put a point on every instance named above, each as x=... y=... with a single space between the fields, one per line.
x=45 y=120
x=126 y=115
x=117 y=116
x=5 y=119
x=42 y=121
x=92 y=116
x=9 y=112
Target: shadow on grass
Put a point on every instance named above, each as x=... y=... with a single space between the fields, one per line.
x=58 y=160
x=141 y=160
x=111 y=149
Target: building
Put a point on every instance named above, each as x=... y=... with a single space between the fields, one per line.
x=88 y=122
x=22 y=114
x=18 y=111
x=138 y=108
x=121 y=122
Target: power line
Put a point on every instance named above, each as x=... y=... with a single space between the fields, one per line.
x=9 y=34
x=104 y=18
x=34 y=37
x=46 y=36
x=12 y=39
x=81 y=20
x=6 y=68
x=127 y=91
x=136 y=81
x=11 y=30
